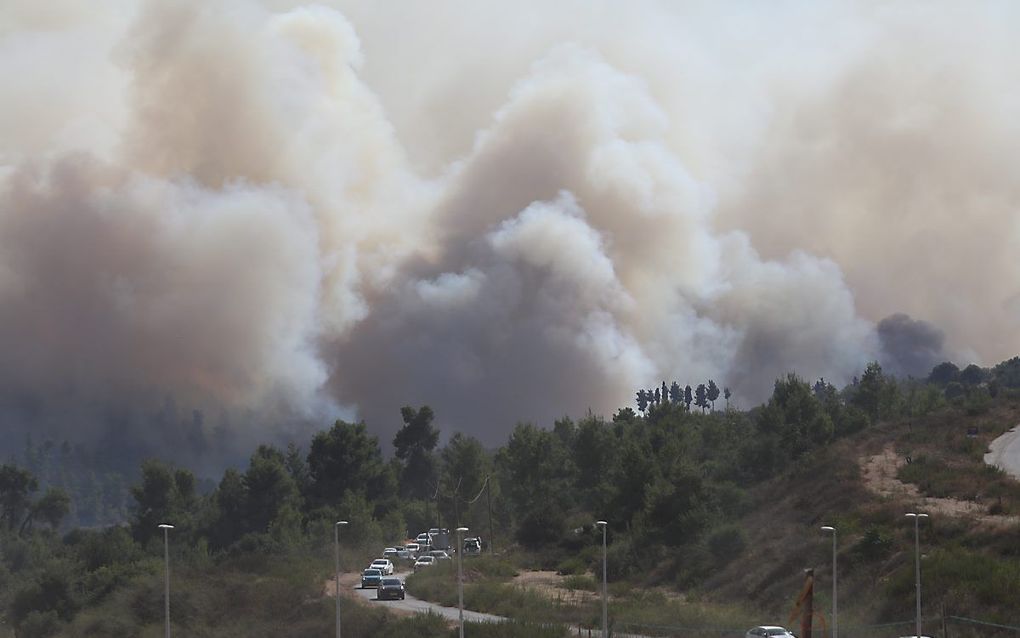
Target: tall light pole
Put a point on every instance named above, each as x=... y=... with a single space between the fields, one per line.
x=166 y=570
x=917 y=564
x=605 y=589
x=460 y=576
x=835 y=608
x=336 y=552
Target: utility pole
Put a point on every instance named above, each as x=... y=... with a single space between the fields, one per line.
x=488 y=498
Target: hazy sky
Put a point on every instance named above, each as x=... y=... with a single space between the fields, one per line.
x=223 y=222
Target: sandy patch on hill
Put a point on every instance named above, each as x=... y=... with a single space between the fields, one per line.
x=880 y=478
x=551 y=585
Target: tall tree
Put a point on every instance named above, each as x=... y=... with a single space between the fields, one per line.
x=16 y=488
x=533 y=474
x=973 y=375
x=795 y=417
x=727 y=394
x=875 y=394
x=701 y=397
x=675 y=393
x=51 y=509
x=642 y=400
x=413 y=445
x=269 y=489
x=346 y=459
x=465 y=465
x=713 y=393
x=944 y=373
x=163 y=496
x=688 y=397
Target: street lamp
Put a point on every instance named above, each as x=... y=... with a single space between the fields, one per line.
x=605 y=590
x=166 y=559
x=917 y=564
x=460 y=577
x=336 y=551
x=835 y=617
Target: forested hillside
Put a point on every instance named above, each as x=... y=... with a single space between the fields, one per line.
x=686 y=491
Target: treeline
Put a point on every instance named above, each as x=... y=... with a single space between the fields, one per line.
x=703 y=396
x=98 y=496
x=672 y=482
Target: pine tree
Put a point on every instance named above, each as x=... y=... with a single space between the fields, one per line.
x=688 y=397
x=701 y=397
x=675 y=394
x=727 y=394
x=642 y=400
x=713 y=393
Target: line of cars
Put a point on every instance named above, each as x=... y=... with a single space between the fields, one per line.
x=418 y=554
x=379 y=575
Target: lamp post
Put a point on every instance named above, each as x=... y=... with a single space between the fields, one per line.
x=460 y=577
x=835 y=608
x=336 y=552
x=605 y=590
x=917 y=564
x=166 y=570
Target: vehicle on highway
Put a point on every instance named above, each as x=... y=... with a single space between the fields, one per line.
x=472 y=546
x=370 y=578
x=424 y=561
x=439 y=538
x=390 y=589
x=772 y=631
x=423 y=538
x=403 y=554
x=439 y=554
x=412 y=547
x=382 y=564
x=390 y=553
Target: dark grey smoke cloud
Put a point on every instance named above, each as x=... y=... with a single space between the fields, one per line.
x=911 y=347
x=229 y=222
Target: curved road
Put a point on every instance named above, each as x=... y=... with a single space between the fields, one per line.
x=412 y=604
x=417 y=605
x=1004 y=453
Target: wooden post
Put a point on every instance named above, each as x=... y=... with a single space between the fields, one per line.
x=808 y=612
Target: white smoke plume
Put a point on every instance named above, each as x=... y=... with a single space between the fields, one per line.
x=236 y=221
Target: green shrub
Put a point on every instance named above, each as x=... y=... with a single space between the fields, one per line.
x=39 y=624
x=726 y=542
x=875 y=544
x=572 y=565
x=584 y=583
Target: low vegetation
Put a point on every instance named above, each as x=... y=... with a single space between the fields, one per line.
x=713 y=516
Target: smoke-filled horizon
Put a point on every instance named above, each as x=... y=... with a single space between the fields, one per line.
x=231 y=222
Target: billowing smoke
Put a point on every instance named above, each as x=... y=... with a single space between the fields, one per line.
x=236 y=221
x=912 y=347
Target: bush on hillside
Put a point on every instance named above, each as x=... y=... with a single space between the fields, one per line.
x=875 y=544
x=726 y=542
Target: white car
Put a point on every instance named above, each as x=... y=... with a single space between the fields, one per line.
x=769 y=630
x=424 y=561
x=412 y=547
x=382 y=564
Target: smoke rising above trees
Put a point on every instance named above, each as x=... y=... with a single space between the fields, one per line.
x=223 y=223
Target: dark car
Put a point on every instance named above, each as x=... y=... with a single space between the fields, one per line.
x=390 y=589
x=371 y=578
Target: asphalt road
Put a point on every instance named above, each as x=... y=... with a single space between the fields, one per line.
x=412 y=604
x=416 y=605
x=1004 y=453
